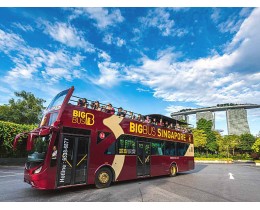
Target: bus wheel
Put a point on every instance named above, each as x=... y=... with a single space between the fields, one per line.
x=103 y=178
x=173 y=170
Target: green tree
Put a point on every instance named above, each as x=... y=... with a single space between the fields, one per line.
x=256 y=146
x=206 y=125
x=246 y=142
x=234 y=142
x=211 y=142
x=200 y=139
x=229 y=142
x=25 y=110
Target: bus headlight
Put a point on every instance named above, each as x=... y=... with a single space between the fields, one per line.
x=38 y=170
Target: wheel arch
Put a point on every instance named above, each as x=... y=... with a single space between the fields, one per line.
x=174 y=163
x=110 y=168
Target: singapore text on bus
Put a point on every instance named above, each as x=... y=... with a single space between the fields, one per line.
x=82 y=142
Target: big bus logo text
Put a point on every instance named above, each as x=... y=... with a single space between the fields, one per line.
x=158 y=132
x=85 y=118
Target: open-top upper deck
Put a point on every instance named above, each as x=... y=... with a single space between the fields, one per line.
x=72 y=113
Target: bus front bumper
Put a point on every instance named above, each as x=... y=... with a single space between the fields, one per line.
x=37 y=180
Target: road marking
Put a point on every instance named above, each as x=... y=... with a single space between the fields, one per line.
x=6 y=172
x=231 y=176
x=13 y=174
x=6 y=176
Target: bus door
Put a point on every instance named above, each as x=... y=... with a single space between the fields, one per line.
x=143 y=158
x=73 y=160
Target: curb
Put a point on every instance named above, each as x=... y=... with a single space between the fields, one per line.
x=228 y=162
x=214 y=161
x=12 y=161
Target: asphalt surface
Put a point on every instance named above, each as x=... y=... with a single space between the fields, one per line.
x=207 y=183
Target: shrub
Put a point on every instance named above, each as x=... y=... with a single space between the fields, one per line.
x=244 y=156
x=8 y=131
x=255 y=156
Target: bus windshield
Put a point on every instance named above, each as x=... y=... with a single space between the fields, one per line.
x=38 y=153
x=57 y=101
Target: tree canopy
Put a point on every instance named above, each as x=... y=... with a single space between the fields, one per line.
x=246 y=141
x=256 y=146
x=206 y=126
x=200 y=138
x=209 y=141
x=25 y=110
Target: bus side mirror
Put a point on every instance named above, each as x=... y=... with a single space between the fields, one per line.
x=44 y=132
x=16 y=139
x=31 y=137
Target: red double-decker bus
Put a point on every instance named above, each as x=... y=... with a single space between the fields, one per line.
x=76 y=145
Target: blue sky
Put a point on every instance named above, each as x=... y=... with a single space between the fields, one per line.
x=149 y=60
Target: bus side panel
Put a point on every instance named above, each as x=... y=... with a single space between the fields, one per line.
x=185 y=164
x=129 y=169
x=52 y=176
x=159 y=165
x=97 y=162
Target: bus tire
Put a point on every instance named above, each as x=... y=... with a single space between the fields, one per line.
x=173 y=170
x=103 y=178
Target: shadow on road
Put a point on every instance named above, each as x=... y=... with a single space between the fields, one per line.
x=198 y=168
x=64 y=191
x=43 y=195
x=58 y=192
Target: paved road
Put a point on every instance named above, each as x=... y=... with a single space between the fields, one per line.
x=208 y=182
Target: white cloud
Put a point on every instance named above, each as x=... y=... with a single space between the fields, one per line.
x=232 y=23
x=110 y=39
x=215 y=15
x=103 y=55
x=56 y=74
x=231 y=77
x=61 y=65
x=10 y=41
x=22 y=72
x=142 y=90
x=62 y=58
x=103 y=17
x=180 y=32
x=244 y=44
x=137 y=34
x=67 y=35
x=120 y=42
x=159 y=18
x=34 y=64
x=110 y=74
x=25 y=28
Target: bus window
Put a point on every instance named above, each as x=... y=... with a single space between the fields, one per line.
x=37 y=155
x=111 y=149
x=55 y=152
x=170 y=148
x=158 y=148
x=130 y=146
x=181 y=149
x=53 y=118
x=126 y=145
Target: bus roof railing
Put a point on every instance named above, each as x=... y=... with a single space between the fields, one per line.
x=156 y=116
